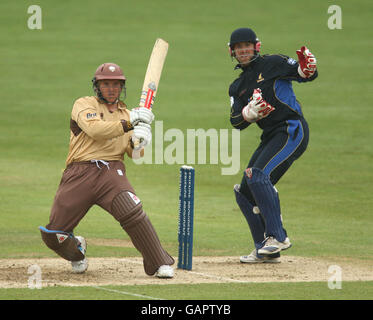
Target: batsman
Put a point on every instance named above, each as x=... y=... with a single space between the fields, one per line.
x=102 y=131
x=263 y=94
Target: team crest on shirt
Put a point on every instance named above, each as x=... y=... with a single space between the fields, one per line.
x=260 y=78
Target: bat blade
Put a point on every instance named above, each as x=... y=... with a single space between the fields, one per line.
x=153 y=73
x=152 y=77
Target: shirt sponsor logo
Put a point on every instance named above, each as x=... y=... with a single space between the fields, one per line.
x=91 y=115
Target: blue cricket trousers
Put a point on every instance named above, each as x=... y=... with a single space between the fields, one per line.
x=277 y=151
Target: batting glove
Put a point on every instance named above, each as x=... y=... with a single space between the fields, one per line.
x=142 y=135
x=141 y=114
x=307 y=62
x=257 y=108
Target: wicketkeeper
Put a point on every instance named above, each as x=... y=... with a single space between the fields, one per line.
x=263 y=94
x=102 y=130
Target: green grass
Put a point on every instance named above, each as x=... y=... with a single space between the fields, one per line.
x=251 y=291
x=326 y=196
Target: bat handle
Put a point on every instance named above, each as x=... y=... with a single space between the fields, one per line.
x=149 y=97
x=136 y=143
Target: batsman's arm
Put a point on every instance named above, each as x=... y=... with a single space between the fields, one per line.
x=102 y=130
x=89 y=121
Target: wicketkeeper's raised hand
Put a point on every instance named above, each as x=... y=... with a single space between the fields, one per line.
x=257 y=108
x=141 y=114
x=307 y=62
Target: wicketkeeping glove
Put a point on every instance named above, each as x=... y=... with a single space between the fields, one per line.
x=142 y=135
x=307 y=62
x=141 y=114
x=257 y=108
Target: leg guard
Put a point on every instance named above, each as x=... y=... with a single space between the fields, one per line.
x=63 y=243
x=267 y=200
x=255 y=221
x=128 y=211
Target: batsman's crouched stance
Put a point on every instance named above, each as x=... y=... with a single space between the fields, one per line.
x=102 y=130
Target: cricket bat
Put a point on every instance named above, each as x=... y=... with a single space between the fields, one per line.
x=152 y=76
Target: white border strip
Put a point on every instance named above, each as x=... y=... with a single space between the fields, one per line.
x=127 y=293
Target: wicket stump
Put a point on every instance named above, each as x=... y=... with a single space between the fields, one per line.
x=186 y=216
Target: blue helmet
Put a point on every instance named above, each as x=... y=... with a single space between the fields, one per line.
x=244 y=35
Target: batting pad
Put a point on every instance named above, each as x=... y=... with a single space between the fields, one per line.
x=267 y=200
x=128 y=211
x=63 y=243
x=255 y=221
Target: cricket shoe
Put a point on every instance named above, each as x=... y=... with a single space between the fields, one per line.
x=271 y=246
x=165 y=271
x=253 y=258
x=82 y=265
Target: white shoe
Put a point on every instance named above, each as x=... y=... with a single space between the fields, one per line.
x=79 y=266
x=254 y=258
x=273 y=246
x=165 y=271
x=83 y=244
x=82 y=265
